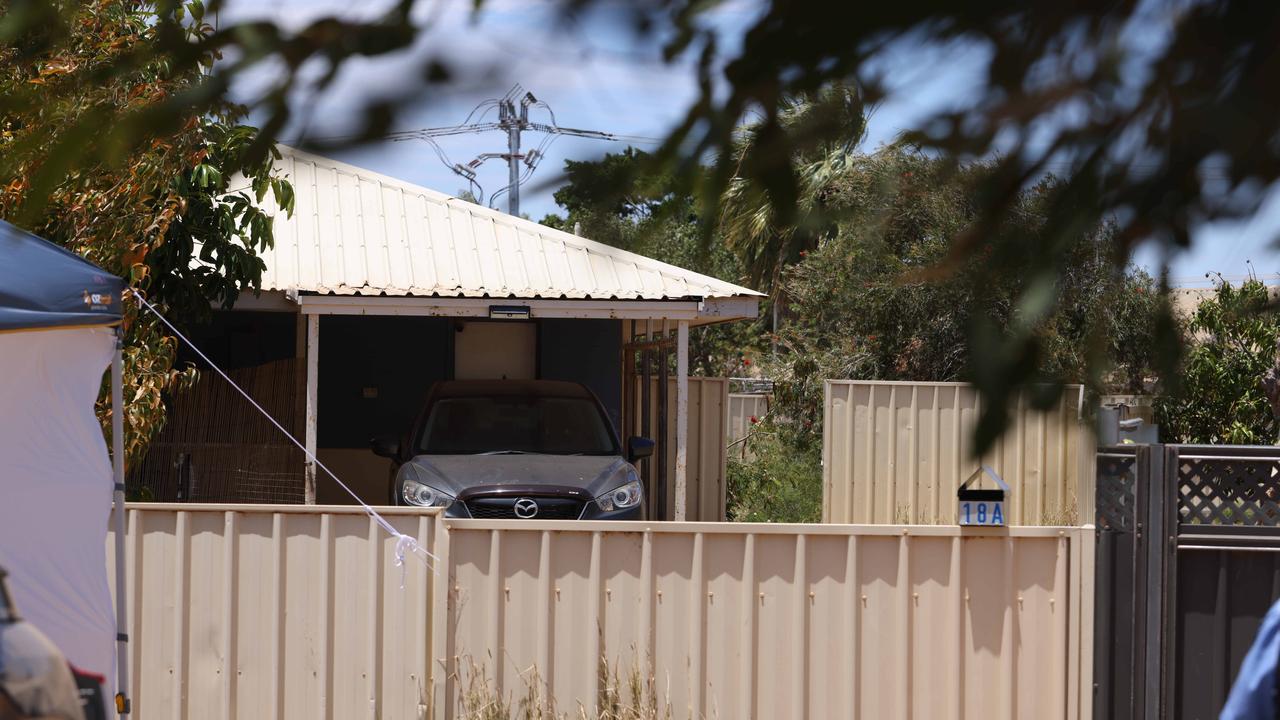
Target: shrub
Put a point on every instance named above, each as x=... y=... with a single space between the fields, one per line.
x=1219 y=396
x=782 y=482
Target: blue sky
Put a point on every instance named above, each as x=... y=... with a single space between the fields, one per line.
x=594 y=76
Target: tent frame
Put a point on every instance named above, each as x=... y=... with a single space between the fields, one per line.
x=117 y=460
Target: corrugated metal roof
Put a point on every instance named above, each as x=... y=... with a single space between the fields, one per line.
x=356 y=232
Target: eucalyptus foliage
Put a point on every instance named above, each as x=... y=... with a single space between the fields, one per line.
x=867 y=302
x=175 y=209
x=780 y=482
x=1232 y=340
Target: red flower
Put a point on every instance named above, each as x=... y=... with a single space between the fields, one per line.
x=746 y=361
x=754 y=419
x=803 y=253
x=871 y=337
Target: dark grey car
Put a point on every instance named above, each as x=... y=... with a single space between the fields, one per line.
x=522 y=449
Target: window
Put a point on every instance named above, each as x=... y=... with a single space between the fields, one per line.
x=549 y=425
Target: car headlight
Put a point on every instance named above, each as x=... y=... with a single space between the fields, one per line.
x=622 y=497
x=416 y=492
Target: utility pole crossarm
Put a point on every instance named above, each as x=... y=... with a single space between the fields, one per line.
x=513 y=119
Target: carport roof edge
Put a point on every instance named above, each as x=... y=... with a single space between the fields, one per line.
x=357 y=232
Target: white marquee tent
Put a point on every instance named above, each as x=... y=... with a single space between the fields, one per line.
x=58 y=315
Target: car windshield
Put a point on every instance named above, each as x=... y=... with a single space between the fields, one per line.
x=516 y=424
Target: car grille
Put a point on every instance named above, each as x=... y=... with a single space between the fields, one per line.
x=501 y=508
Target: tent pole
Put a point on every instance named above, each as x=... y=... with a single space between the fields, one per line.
x=117 y=456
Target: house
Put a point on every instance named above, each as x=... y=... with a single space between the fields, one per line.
x=376 y=288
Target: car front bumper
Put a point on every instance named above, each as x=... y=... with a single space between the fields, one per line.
x=591 y=511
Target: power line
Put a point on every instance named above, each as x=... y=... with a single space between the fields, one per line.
x=513 y=119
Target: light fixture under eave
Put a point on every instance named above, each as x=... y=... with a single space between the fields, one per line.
x=509 y=312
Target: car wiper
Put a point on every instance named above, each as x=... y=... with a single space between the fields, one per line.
x=505 y=452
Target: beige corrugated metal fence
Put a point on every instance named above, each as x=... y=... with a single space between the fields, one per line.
x=276 y=611
x=708 y=401
x=742 y=408
x=756 y=621
x=895 y=452
x=270 y=612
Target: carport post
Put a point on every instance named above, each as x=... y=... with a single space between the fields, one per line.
x=313 y=376
x=682 y=416
x=117 y=457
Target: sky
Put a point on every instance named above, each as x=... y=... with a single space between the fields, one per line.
x=593 y=75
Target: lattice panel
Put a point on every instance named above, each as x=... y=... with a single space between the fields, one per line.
x=1116 y=502
x=1229 y=492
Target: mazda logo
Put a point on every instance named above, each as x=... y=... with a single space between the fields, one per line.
x=526 y=508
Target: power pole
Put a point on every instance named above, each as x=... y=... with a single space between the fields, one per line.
x=513 y=119
x=514 y=123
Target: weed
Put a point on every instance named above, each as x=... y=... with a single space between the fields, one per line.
x=1062 y=515
x=782 y=482
x=634 y=697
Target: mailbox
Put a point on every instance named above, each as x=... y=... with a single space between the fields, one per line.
x=978 y=506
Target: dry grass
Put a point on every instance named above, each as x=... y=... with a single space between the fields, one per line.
x=638 y=702
x=1062 y=515
x=633 y=697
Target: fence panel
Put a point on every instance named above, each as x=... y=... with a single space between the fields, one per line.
x=1224 y=521
x=217 y=447
x=298 y=612
x=1119 y=636
x=750 y=621
x=1188 y=564
x=708 y=407
x=896 y=452
x=744 y=410
x=276 y=612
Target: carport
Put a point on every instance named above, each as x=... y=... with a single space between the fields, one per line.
x=387 y=286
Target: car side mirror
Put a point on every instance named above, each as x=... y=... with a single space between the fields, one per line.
x=639 y=448
x=385 y=446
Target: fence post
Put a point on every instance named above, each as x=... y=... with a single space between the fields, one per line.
x=440 y=674
x=1081 y=671
x=1169 y=575
x=1152 y=550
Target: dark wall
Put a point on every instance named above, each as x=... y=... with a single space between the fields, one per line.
x=396 y=359
x=240 y=338
x=585 y=351
x=375 y=372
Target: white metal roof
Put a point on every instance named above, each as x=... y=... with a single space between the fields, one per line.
x=356 y=232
